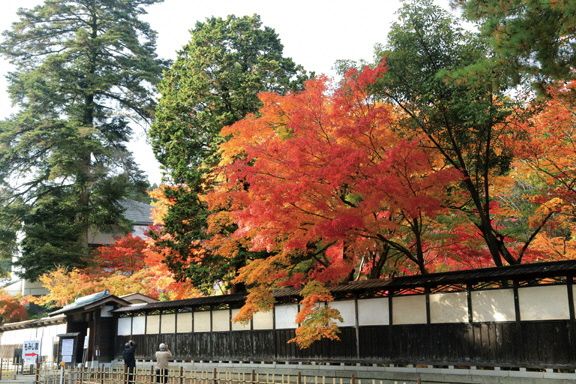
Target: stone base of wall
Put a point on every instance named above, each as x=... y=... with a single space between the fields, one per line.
x=315 y=373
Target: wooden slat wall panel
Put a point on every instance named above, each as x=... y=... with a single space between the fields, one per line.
x=263 y=345
x=221 y=345
x=529 y=344
x=201 y=346
x=184 y=349
x=241 y=346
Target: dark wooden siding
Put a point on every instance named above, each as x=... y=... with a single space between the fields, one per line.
x=241 y=345
x=515 y=344
x=106 y=329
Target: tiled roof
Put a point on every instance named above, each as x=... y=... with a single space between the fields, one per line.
x=520 y=272
x=137 y=212
x=34 y=323
x=87 y=302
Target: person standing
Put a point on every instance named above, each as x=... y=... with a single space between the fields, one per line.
x=129 y=361
x=162 y=358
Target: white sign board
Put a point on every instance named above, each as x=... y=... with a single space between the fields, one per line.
x=30 y=351
x=67 y=350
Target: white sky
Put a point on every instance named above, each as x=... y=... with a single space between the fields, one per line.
x=315 y=33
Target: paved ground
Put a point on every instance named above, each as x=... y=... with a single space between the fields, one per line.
x=20 y=379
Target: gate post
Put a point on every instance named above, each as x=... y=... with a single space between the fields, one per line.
x=37 y=374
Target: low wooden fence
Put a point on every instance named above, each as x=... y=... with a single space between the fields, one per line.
x=10 y=368
x=178 y=374
x=109 y=375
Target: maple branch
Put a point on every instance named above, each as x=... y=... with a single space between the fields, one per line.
x=320 y=251
x=532 y=236
x=342 y=196
x=310 y=212
x=399 y=247
x=423 y=128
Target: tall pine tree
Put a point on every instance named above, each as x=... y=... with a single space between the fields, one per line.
x=83 y=70
x=214 y=82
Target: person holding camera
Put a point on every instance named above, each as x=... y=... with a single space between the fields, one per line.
x=163 y=356
x=129 y=361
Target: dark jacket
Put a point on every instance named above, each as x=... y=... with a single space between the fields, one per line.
x=128 y=355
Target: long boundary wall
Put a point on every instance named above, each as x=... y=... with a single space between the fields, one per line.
x=508 y=327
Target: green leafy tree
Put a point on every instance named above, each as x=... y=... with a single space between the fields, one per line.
x=213 y=83
x=83 y=71
x=534 y=38
x=442 y=78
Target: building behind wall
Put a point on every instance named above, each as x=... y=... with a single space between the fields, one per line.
x=138 y=213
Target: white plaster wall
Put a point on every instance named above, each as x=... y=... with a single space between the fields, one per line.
x=221 y=320
x=14 y=288
x=544 y=302
x=138 y=325
x=451 y=307
x=168 y=323
x=18 y=336
x=34 y=288
x=124 y=326
x=285 y=315
x=493 y=305
x=347 y=310
x=263 y=320
x=152 y=324
x=184 y=323
x=409 y=309
x=49 y=336
x=373 y=311
x=202 y=321
x=239 y=326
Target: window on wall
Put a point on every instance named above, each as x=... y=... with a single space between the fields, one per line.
x=285 y=315
x=139 y=325
x=221 y=320
x=549 y=302
x=263 y=320
x=168 y=323
x=347 y=310
x=493 y=305
x=202 y=321
x=124 y=326
x=409 y=309
x=373 y=311
x=449 y=307
x=238 y=326
x=152 y=324
x=184 y=322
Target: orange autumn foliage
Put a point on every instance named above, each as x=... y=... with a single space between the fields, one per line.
x=323 y=184
x=549 y=145
x=546 y=152
x=125 y=255
x=12 y=309
x=118 y=276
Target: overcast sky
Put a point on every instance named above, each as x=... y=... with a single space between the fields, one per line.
x=315 y=33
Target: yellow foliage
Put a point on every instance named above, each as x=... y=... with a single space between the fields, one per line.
x=65 y=286
x=553 y=205
x=160 y=203
x=259 y=299
x=319 y=325
x=556 y=248
x=317 y=321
